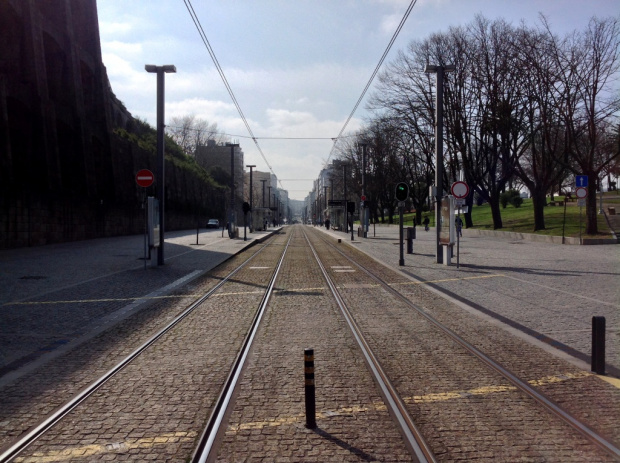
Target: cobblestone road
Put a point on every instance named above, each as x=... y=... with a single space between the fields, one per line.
x=548 y=291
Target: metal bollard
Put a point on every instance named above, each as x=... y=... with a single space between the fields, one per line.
x=310 y=397
x=598 y=345
x=410 y=237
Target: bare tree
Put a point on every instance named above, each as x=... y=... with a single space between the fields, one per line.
x=189 y=132
x=589 y=64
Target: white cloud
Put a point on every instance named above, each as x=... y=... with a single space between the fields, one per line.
x=122 y=48
x=114 y=28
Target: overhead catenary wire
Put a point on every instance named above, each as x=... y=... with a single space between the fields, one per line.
x=372 y=77
x=203 y=36
x=210 y=132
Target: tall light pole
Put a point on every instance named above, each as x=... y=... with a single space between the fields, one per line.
x=263 y=203
x=345 y=202
x=439 y=71
x=364 y=208
x=232 y=222
x=160 y=70
x=251 y=201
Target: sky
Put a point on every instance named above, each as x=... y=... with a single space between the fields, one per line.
x=296 y=67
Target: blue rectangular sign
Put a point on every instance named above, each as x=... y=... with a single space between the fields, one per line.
x=581 y=180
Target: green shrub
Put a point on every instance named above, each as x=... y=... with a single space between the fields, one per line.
x=511 y=197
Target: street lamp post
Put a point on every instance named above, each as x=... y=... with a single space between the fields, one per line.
x=251 y=201
x=160 y=70
x=263 y=204
x=439 y=71
x=364 y=208
x=232 y=222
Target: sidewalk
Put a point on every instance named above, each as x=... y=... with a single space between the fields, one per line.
x=548 y=292
x=54 y=297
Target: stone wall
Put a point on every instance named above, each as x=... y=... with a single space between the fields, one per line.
x=64 y=174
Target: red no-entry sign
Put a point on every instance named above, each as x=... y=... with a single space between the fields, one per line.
x=144 y=178
x=460 y=190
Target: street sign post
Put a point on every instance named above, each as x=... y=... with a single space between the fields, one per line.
x=581 y=193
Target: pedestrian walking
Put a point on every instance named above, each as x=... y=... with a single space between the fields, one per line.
x=459 y=226
x=426 y=222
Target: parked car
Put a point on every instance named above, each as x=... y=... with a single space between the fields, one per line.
x=213 y=223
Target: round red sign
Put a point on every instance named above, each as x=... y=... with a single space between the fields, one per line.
x=363 y=198
x=460 y=190
x=144 y=178
x=581 y=192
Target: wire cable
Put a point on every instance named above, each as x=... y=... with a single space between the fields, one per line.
x=203 y=36
x=257 y=138
x=372 y=77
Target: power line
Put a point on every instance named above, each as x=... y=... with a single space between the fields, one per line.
x=203 y=36
x=372 y=77
x=210 y=132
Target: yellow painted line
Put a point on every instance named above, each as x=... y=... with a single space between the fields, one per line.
x=101 y=449
x=238 y=293
x=84 y=301
x=446 y=279
x=428 y=398
x=612 y=381
x=175 y=437
x=299 y=290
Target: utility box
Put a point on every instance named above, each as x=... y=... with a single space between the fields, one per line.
x=153 y=221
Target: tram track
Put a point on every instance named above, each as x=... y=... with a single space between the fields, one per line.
x=414 y=439
x=39 y=432
x=603 y=443
x=220 y=384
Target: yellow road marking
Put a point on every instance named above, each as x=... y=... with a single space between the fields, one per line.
x=446 y=279
x=175 y=437
x=99 y=449
x=612 y=381
x=428 y=398
x=177 y=296
x=83 y=301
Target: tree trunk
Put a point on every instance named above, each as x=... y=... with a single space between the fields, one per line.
x=469 y=202
x=496 y=212
x=539 y=200
x=591 y=209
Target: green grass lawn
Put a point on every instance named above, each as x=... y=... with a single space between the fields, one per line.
x=522 y=219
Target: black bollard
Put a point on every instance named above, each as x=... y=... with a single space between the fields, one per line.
x=310 y=397
x=598 y=345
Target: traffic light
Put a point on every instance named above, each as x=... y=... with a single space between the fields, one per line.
x=402 y=191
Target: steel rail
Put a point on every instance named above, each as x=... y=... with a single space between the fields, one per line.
x=207 y=439
x=413 y=436
x=610 y=447
x=36 y=432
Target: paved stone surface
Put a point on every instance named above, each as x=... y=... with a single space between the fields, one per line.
x=549 y=291
x=273 y=431
x=55 y=297
x=268 y=419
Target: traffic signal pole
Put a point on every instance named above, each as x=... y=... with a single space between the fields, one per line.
x=401 y=261
x=439 y=71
